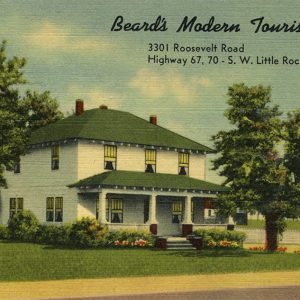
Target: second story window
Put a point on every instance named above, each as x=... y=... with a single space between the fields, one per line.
x=110 y=157
x=150 y=159
x=183 y=163
x=55 y=157
x=17 y=166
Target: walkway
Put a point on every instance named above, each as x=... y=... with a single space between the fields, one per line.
x=144 y=285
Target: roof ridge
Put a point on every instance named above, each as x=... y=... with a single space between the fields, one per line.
x=189 y=139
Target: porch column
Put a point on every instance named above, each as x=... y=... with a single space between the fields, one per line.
x=152 y=214
x=102 y=208
x=187 y=224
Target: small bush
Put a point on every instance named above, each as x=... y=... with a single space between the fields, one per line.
x=221 y=238
x=23 y=226
x=86 y=232
x=55 y=234
x=3 y=232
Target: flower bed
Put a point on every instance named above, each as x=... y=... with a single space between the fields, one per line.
x=261 y=248
x=137 y=243
x=225 y=239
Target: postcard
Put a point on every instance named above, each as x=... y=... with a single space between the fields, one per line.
x=113 y=115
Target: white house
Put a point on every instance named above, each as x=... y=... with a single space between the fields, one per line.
x=117 y=167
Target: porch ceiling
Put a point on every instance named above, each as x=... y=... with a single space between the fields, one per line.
x=148 y=180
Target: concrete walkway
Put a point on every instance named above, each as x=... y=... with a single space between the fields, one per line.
x=144 y=285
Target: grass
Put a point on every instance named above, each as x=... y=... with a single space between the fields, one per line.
x=260 y=224
x=32 y=262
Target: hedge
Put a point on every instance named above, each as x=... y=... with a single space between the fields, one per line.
x=221 y=238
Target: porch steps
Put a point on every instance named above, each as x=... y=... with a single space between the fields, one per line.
x=179 y=243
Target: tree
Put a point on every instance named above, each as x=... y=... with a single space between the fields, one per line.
x=292 y=155
x=250 y=161
x=19 y=115
x=292 y=158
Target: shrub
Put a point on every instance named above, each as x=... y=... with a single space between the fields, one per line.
x=128 y=238
x=23 y=226
x=3 y=232
x=86 y=232
x=221 y=238
x=55 y=234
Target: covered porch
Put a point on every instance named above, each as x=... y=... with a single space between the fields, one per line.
x=163 y=204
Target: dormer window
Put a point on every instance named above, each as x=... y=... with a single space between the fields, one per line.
x=110 y=157
x=183 y=163
x=17 y=166
x=55 y=157
x=150 y=160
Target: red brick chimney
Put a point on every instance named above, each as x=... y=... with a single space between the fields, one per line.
x=79 y=108
x=103 y=106
x=153 y=119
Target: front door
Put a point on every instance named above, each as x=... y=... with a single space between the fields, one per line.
x=169 y=214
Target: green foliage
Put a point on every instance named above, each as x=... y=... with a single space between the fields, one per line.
x=217 y=236
x=3 y=232
x=292 y=155
x=23 y=226
x=54 y=234
x=19 y=115
x=40 y=109
x=86 y=232
x=258 y=178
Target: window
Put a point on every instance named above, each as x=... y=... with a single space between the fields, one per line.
x=117 y=211
x=150 y=160
x=58 y=209
x=17 y=166
x=183 y=163
x=54 y=209
x=55 y=157
x=50 y=209
x=15 y=206
x=110 y=157
x=176 y=211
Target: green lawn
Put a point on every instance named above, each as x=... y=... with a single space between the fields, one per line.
x=21 y=261
x=260 y=224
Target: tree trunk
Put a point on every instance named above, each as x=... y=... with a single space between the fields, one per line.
x=271 y=232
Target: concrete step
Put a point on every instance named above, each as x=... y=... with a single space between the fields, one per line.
x=179 y=243
x=181 y=248
x=185 y=242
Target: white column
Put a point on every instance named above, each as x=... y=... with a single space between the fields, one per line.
x=152 y=210
x=102 y=208
x=230 y=220
x=187 y=210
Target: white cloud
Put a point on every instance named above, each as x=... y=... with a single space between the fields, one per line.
x=155 y=85
x=94 y=97
x=53 y=37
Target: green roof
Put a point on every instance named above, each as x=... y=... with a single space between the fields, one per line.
x=113 y=126
x=148 y=180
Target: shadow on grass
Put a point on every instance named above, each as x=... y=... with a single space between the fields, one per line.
x=211 y=253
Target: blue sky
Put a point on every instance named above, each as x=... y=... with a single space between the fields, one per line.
x=72 y=53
